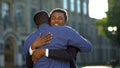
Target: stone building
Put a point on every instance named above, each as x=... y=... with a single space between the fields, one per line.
x=16 y=23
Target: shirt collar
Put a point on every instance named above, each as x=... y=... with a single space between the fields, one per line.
x=44 y=26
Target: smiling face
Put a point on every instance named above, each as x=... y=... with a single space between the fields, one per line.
x=57 y=19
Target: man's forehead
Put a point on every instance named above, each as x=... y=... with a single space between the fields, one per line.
x=57 y=13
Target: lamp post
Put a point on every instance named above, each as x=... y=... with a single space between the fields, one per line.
x=112 y=29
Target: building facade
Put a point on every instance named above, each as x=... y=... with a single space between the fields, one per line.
x=16 y=23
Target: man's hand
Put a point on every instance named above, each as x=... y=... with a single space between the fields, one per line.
x=40 y=41
x=37 y=54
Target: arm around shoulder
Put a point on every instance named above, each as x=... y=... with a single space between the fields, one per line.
x=78 y=41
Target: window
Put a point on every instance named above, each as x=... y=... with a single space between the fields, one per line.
x=5 y=9
x=84 y=8
x=5 y=12
x=32 y=15
x=73 y=24
x=19 y=16
x=78 y=6
x=65 y=4
x=72 y=7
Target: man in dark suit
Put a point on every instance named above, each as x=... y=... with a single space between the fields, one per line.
x=58 y=17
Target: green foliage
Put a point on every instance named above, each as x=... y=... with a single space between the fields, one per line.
x=113 y=19
x=101 y=24
x=113 y=16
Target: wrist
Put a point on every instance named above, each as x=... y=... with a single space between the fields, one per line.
x=43 y=51
x=33 y=46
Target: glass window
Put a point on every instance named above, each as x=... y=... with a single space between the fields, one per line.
x=78 y=6
x=19 y=16
x=5 y=12
x=84 y=8
x=32 y=15
x=65 y=4
x=74 y=25
x=72 y=7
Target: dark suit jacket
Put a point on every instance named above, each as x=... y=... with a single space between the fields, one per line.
x=29 y=63
x=63 y=55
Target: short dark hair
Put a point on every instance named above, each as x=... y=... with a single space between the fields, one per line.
x=41 y=17
x=61 y=11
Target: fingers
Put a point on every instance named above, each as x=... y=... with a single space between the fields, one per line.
x=34 y=60
x=39 y=36
x=42 y=40
x=35 y=57
x=37 y=54
x=47 y=37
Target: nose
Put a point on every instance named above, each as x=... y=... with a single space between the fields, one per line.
x=56 y=21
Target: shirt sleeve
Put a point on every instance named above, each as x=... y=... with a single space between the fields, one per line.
x=47 y=52
x=63 y=54
x=78 y=41
x=31 y=51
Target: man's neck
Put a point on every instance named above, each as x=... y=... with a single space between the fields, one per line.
x=43 y=25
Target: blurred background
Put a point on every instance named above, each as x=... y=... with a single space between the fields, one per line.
x=101 y=28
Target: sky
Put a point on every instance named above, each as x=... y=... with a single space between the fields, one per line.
x=97 y=8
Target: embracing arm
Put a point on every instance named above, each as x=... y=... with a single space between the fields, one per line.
x=61 y=54
x=66 y=55
x=78 y=41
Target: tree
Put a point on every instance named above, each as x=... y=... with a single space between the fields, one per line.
x=101 y=24
x=113 y=20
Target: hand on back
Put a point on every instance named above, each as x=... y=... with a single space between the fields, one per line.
x=41 y=41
